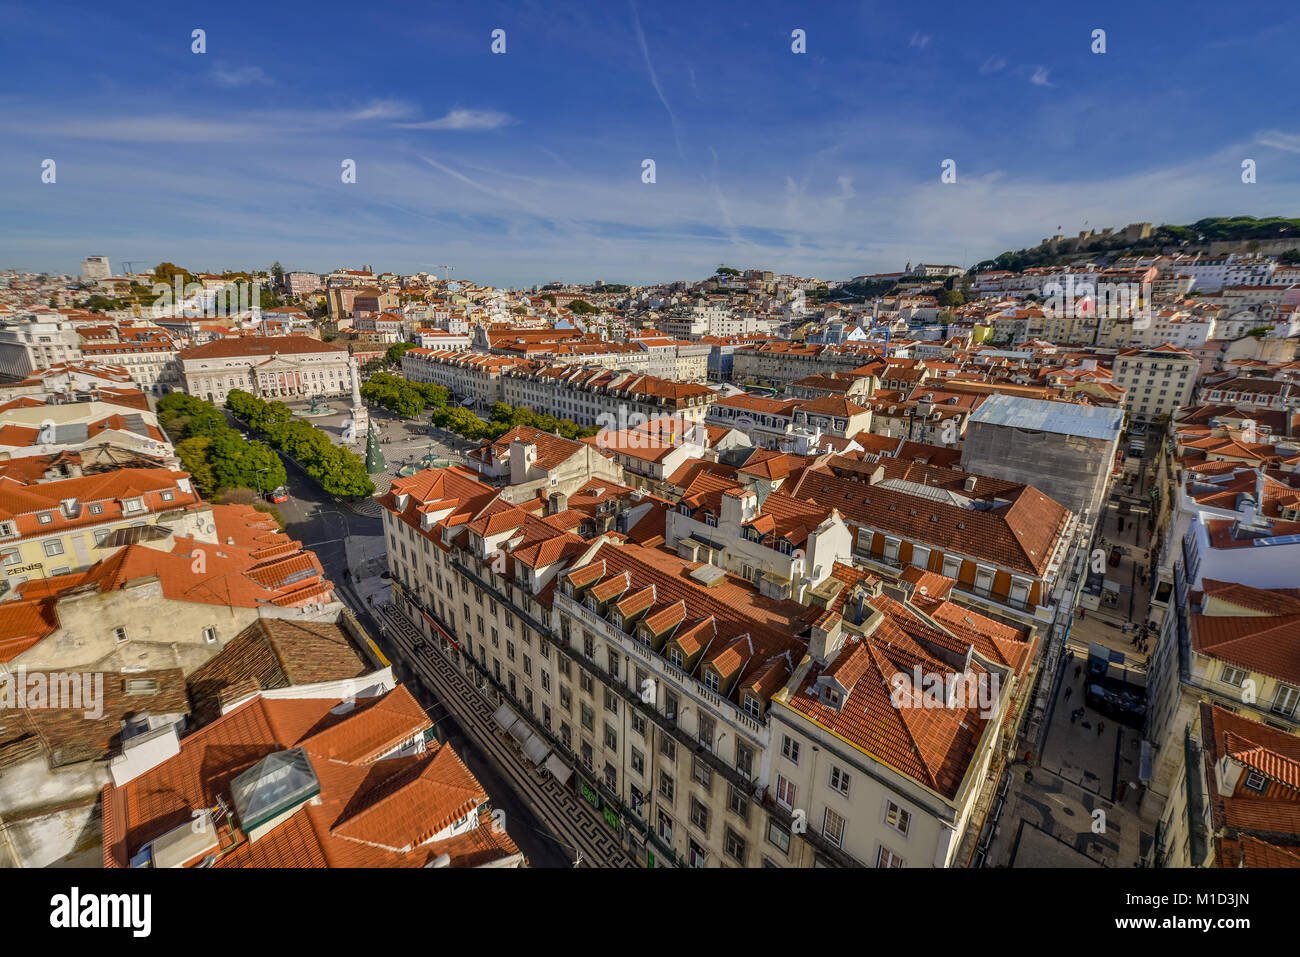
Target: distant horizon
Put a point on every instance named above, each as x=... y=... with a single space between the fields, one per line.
x=828 y=162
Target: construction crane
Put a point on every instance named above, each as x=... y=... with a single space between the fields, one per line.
x=128 y=263
x=446 y=271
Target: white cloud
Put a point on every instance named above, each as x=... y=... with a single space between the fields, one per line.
x=462 y=120
x=1279 y=140
x=993 y=64
x=239 y=76
x=1040 y=77
x=919 y=40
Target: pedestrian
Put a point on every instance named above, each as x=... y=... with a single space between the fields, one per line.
x=1101 y=726
x=1068 y=691
x=1081 y=615
x=1078 y=669
x=1074 y=716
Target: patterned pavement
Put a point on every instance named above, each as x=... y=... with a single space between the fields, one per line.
x=571 y=821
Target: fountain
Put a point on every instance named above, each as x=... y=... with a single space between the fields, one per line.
x=315 y=410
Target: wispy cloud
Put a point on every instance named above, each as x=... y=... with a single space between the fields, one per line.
x=1279 y=140
x=239 y=76
x=993 y=64
x=654 y=81
x=1040 y=77
x=462 y=120
x=919 y=40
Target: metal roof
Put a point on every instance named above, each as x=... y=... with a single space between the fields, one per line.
x=1065 y=418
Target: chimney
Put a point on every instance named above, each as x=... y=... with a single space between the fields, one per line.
x=970 y=483
x=827 y=638
x=558 y=503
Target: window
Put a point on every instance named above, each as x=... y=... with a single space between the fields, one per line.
x=778 y=834
x=785 y=791
x=588 y=718
x=566 y=735
x=96 y=508
x=887 y=858
x=702 y=774
x=897 y=818
x=951 y=567
x=1233 y=676
x=546 y=680
x=670 y=705
x=734 y=845
x=1257 y=782
x=665 y=827
x=209 y=634
x=790 y=749
x=611 y=737
x=611 y=701
x=1284 y=699
x=667 y=786
x=668 y=747
x=588 y=645
x=638 y=724
x=697 y=855
x=752 y=706
x=833 y=828
x=586 y=755
x=711 y=680
x=737 y=802
x=119 y=634
x=54 y=547
x=638 y=762
x=700 y=816
x=45 y=518
x=586 y=682
x=675 y=657
x=510 y=646
x=706 y=730
x=744 y=759
x=11 y=556
x=839 y=780
x=566 y=698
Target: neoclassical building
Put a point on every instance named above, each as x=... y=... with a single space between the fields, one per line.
x=272 y=367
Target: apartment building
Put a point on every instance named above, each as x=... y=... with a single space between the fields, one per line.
x=1219 y=647
x=301 y=284
x=1003 y=543
x=36 y=340
x=781 y=544
x=1237 y=796
x=149 y=358
x=95 y=268
x=870 y=764
x=1157 y=381
x=167 y=595
x=315 y=776
x=472 y=378
x=594 y=396
x=69 y=521
x=277 y=367
x=1065 y=449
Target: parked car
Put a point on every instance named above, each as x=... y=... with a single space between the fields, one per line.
x=1114 y=555
x=279 y=495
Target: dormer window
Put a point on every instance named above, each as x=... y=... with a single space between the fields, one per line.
x=675 y=656
x=785 y=547
x=647 y=637
x=752 y=706
x=710 y=520
x=591 y=603
x=45 y=518
x=711 y=680
x=133 y=505
x=616 y=620
x=567 y=588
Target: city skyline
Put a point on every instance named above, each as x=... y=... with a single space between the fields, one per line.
x=525 y=167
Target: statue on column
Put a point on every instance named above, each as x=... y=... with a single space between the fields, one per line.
x=375 y=462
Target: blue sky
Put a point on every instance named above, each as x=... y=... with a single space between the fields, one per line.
x=526 y=167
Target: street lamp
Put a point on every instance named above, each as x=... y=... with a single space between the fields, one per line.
x=259 y=478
